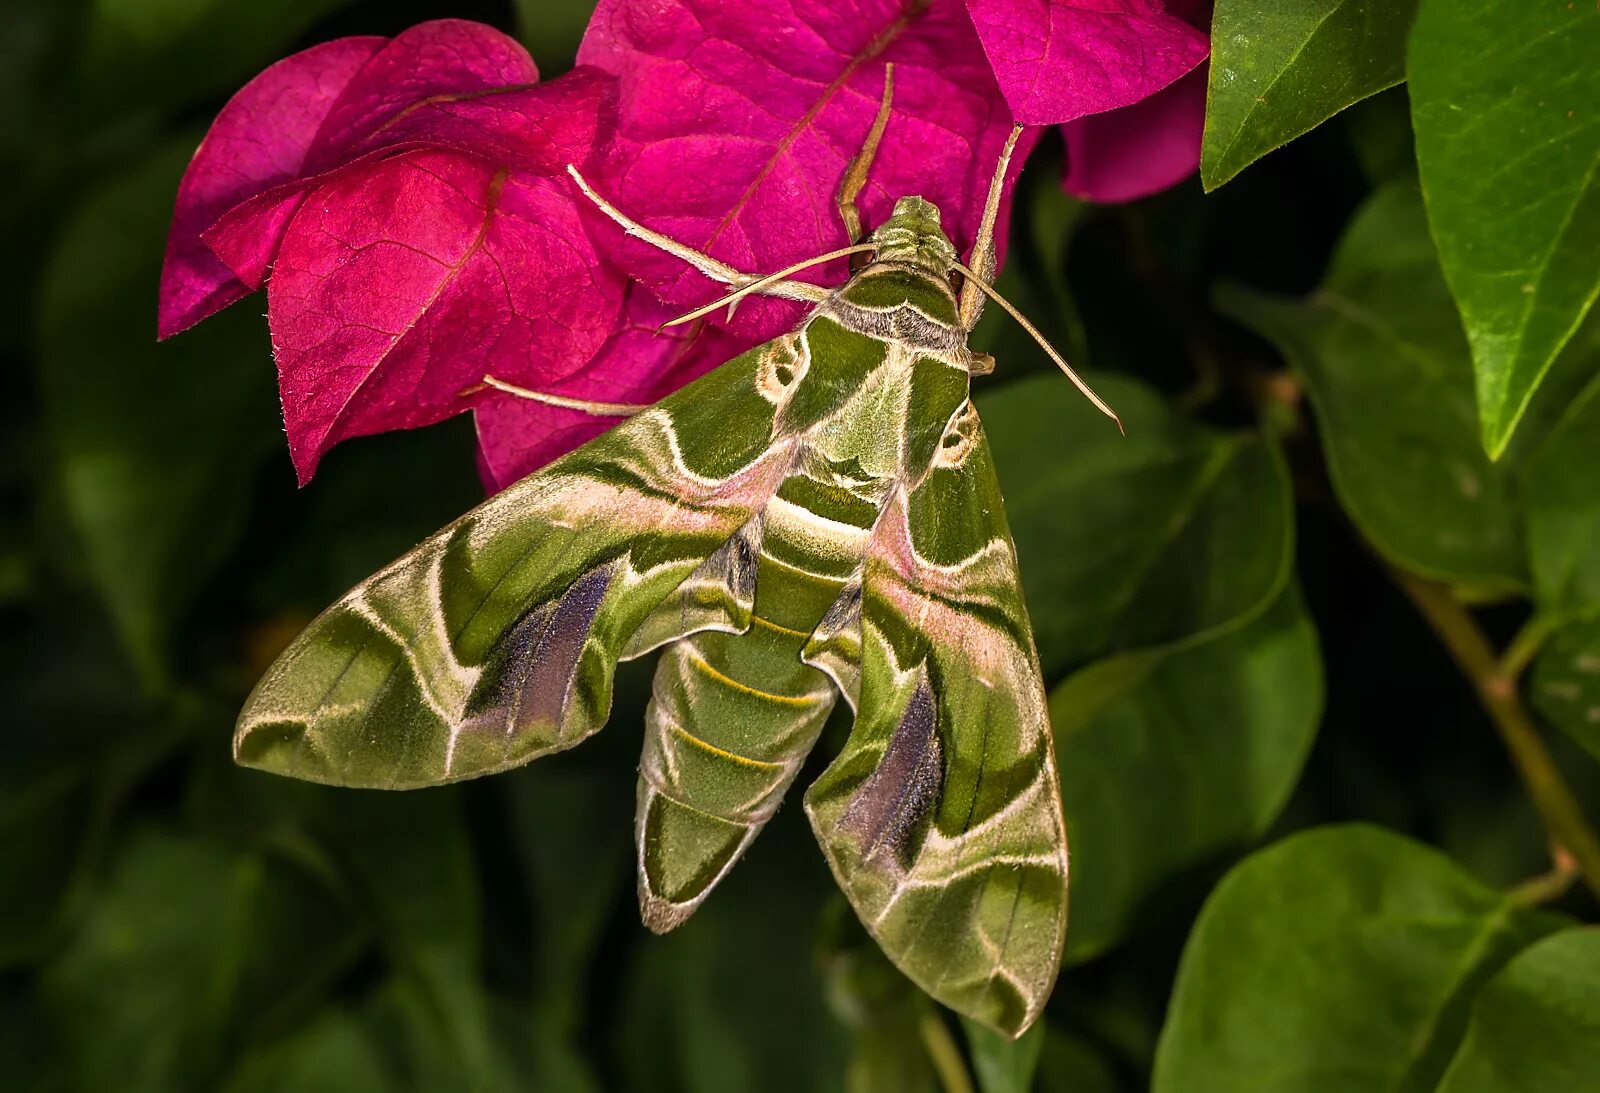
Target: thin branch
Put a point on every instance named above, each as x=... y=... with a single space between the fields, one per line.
x=1548 y=886
x=1525 y=645
x=1461 y=635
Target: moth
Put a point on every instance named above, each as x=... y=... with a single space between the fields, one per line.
x=816 y=519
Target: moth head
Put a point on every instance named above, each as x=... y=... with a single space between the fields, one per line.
x=913 y=235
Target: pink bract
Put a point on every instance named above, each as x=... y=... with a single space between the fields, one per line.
x=1141 y=149
x=408 y=198
x=1057 y=60
x=736 y=122
x=404 y=200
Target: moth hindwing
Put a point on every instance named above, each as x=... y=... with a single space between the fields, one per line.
x=817 y=518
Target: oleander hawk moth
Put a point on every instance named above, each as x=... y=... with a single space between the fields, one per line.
x=817 y=518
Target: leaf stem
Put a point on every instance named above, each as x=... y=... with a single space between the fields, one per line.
x=1525 y=645
x=943 y=1051
x=1548 y=886
x=1497 y=691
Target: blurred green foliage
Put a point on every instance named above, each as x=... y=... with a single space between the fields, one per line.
x=1235 y=676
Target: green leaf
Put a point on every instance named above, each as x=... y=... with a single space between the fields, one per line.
x=50 y=817
x=1001 y=1065
x=408 y=857
x=1169 y=532
x=65 y=782
x=1379 y=348
x=885 y=1012
x=1280 y=68
x=156 y=445
x=1561 y=494
x=334 y=1053
x=1172 y=757
x=1379 y=132
x=1566 y=682
x=571 y=837
x=190 y=941
x=1503 y=100
x=1536 y=1025
x=1068 y=1064
x=1340 y=960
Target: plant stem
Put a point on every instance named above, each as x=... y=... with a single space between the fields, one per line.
x=1525 y=645
x=1476 y=658
x=945 y=1054
x=1547 y=886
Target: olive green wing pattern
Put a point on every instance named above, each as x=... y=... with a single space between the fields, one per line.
x=941 y=818
x=495 y=641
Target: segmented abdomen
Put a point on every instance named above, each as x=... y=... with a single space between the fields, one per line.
x=734 y=715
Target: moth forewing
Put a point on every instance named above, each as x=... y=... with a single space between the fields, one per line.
x=494 y=641
x=941 y=818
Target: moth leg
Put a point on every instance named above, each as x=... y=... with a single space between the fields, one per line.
x=982 y=259
x=597 y=409
x=855 y=175
x=717 y=271
x=982 y=365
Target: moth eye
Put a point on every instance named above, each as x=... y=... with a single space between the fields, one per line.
x=959 y=436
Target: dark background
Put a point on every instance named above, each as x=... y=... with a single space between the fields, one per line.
x=169 y=922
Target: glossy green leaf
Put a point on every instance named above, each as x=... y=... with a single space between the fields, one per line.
x=1380 y=349
x=1561 y=496
x=1566 y=681
x=198 y=939
x=1002 y=1065
x=1535 y=1026
x=1340 y=960
x=1280 y=68
x=156 y=444
x=1508 y=140
x=1172 y=757
x=1172 y=531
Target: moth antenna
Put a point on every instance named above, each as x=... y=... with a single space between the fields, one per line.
x=597 y=409
x=738 y=294
x=1088 y=392
x=717 y=271
x=983 y=246
x=855 y=175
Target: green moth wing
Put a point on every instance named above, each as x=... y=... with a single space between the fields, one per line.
x=941 y=818
x=495 y=641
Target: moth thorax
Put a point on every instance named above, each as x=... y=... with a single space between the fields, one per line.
x=913 y=235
